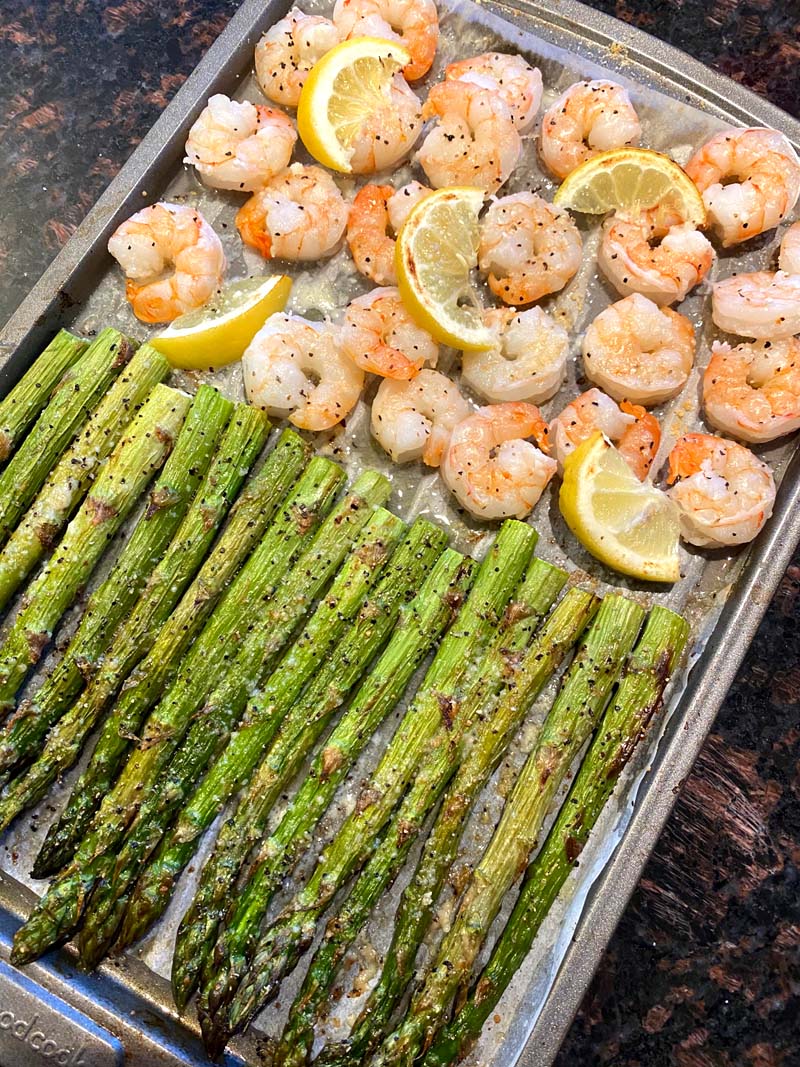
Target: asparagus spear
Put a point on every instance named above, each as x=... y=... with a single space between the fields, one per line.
x=156 y=636
x=571 y=720
x=70 y=479
x=418 y=901
x=137 y=457
x=350 y=638
x=427 y=722
x=19 y=409
x=419 y=625
x=59 y=912
x=79 y=391
x=497 y=675
x=241 y=443
x=638 y=698
x=209 y=733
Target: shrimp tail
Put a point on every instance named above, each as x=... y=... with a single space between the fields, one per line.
x=639 y=444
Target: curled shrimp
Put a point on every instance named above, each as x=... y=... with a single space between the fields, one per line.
x=490 y=467
x=789 y=261
x=294 y=369
x=588 y=118
x=288 y=51
x=414 y=419
x=723 y=492
x=377 y=214
x=414 y=22
x=160 y=237
x=235 y=145
x=380 y=336
x=752 y=391
x=529 y=248
x=661 y=258
x=750 y=181
x=386 y=134
x=528 y=360
x=634 y=431
x=299 y=214
x=474 y=141
x=637 y=351
x=517 y=83
x=763 y=305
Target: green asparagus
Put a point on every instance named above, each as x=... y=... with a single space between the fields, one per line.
x=571 y=720
x=419 y=625
x=80 y=389
x=638 y=699
x=70 y=479
x=19 y=409
x=157 y=636
x=240 y=445
x=138 y=456
x=428 y=722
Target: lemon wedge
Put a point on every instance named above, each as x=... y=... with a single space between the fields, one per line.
x=343 y=89
x=630 y=526
x=631 y=179
x=436 y=249
x=218 y=332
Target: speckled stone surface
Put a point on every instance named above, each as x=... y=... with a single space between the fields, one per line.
x=704 y=970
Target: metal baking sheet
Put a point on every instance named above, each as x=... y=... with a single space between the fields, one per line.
x=725 y=595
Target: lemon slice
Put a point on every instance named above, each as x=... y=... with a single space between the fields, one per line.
x=630 y=179
x=436 y=249
x=630 y=526
x=218 y=332
x=343 y=89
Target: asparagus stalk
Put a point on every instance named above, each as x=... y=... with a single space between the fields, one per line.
x=59 y=912
x=70 y=479
x=156 y=636
x=415 y=913
x=137 y=457
x=240 y=445
x=223 y=709
x=571 y=720
x=111 y=602
x=638 y=698
x=497 y=675
x=419 y=625
x=348 y=628
x=19 y=409
x=428 y=722
x=80 y=389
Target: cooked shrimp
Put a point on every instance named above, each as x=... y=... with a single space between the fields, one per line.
x=288 y=51
x=763 y=305
x=517 y=83
x=752 y=391
x=527 y=362
x=161 y=237
x=789 y=261
x=380 y=336
x=766 y=186
x=377 y=214
x=474 y=142
x=634 y=431
x=490 y=467
x=414 y=22
x=588 y=118
x=661 y=258
x=638 y=351
x=294 y=369
x=529 y=248
x=414 y=419
x=299 y=214
x=723 y=492
x=235 y=145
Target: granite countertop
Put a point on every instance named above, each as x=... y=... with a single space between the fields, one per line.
x=704 y=970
